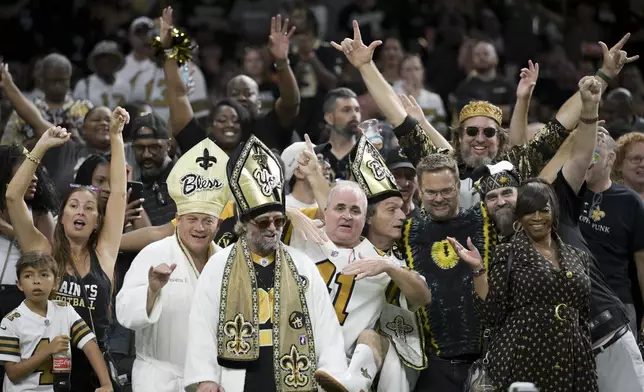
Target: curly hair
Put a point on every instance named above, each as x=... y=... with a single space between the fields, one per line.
x=45 y=200
x=623 y=144
x=457 y=133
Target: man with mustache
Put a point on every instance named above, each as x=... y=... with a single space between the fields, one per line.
x=342 y=117
x=150 y=143
x=261 y=318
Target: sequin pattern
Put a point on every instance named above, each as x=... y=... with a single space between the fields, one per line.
x=541 y=332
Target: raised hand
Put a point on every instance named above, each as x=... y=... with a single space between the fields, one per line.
x=615 y=57
x=528 y=80
x=54 y=137
x=278 y=40
x=590 y=89
x=471 y=256
x=120 y=117
x=356 y=51
x=165 y=27
x=5 y=76
x=159 y=276
x=307 y=160
x=412 y=107
x=308 y=228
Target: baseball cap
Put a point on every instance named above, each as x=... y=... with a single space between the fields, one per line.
x=104 y=48
x=152 y=121
x=395 y=159
x=289 y=157
x=141 y=24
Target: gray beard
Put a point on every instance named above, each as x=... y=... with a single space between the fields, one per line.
x=472 y=161
x=504 y=221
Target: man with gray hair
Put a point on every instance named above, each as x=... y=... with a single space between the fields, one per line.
x=57 y=107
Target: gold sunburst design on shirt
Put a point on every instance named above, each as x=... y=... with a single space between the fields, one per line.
x=444 y=255
x=481 y=109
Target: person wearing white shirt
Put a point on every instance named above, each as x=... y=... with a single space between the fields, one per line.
x=412 y=83
x=139 y=59
x=102 y=88
x=159 y=286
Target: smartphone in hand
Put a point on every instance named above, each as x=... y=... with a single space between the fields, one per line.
x=136 y=191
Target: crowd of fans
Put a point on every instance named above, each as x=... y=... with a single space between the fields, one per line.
x=486 y=157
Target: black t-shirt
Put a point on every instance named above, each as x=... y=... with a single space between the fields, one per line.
x=497 y=91
x=266 y=127
x=340 y=167
x=158 y=204
x=607 y=312
x=259 y=374
x=612 y=222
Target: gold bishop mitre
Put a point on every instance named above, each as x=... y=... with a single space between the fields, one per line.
x=368 y=169
x=481 y=109
x=197 y=182
x=256 y=179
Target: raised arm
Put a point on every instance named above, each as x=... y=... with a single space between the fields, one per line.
x=24 y=107
x=29 y=237
x=581 y=151
x=413 y=109
x=180 y=108
x=613 y=62
x=519 y=121
x=361 y=57
x=110 y=236
x=288 y=104
x=139 y=239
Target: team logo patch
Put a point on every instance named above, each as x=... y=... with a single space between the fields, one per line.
x=296 y=320
x=400 y=328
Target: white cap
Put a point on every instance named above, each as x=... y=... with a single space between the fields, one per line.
x=289 y=157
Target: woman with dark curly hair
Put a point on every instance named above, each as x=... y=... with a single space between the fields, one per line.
x=42 y=201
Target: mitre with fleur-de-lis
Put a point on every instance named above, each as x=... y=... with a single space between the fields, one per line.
x=256 y=179
x=197 y=182
x=368 y=169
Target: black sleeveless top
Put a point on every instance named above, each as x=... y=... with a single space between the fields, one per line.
x=98 y=290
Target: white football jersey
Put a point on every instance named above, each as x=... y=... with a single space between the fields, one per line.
x=357 y=303
x=128 y=73
x=23 y=333
x=150 y=86
x=100 y=93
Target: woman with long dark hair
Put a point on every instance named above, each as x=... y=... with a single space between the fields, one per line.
x=86 y=241
x=539 y=309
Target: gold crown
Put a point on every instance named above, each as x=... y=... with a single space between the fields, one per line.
x=197 y=182
x=256 y=179
x=481 y=108
x=369 y=170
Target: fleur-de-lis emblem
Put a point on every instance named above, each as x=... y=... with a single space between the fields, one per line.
x=207 y=160
x=296 y=365
x=399 y=327
x=597 y=214
x=239 y=330
x=365 y=373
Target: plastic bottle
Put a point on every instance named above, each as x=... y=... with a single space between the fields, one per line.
x=62 y=368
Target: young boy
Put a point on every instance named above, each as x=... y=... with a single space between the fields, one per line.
x=40 y=328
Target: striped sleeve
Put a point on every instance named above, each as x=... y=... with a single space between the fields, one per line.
x=9 y=343
x=80 y=332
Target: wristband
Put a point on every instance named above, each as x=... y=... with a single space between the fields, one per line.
x=29 y=156
x=589 y=121
x=479 y=272
x=602 y=75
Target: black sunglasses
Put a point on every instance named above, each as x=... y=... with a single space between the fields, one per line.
x=489 y=132
x=264 y=223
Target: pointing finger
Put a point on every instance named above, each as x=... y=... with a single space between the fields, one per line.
x=356 y=31
x=622 y=42
x=309 y=145
x=336 y=46
x=604 y=48
x=375 y=44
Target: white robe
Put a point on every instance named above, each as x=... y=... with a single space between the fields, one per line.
x=160 y=337
x=201 y=359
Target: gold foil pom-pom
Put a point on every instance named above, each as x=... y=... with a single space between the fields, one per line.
x=181 y=47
